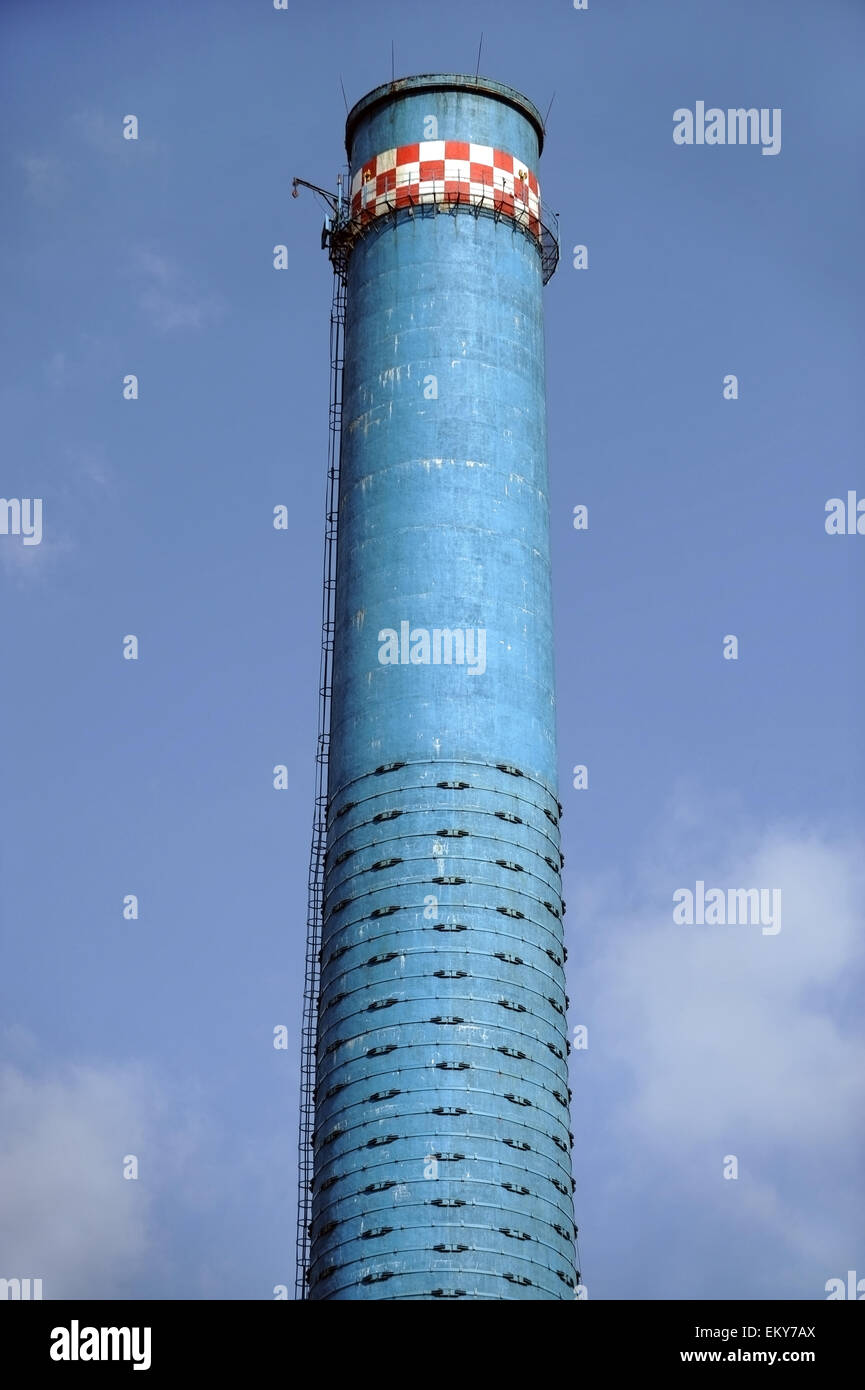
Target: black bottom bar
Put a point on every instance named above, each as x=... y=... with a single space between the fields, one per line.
x=217 y=1339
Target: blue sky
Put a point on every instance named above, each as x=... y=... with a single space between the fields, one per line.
x=706 y=518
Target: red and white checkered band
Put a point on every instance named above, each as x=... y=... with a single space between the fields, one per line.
x=447 y=171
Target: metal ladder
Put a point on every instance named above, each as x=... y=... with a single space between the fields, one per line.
x=315 y=899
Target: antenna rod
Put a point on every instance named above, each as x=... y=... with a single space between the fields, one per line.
x=480 y=46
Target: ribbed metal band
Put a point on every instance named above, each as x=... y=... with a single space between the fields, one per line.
x=471 y=918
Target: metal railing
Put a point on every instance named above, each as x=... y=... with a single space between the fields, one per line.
x=347 y=228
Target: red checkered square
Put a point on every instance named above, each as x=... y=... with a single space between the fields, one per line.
x=431 y=169
x=385 y=182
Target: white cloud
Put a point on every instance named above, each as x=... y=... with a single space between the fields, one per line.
x=198 y=1222
x=714 y=1040
x=67 y=1215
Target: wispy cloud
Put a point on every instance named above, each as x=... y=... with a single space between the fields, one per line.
x=89 y=468
x=76 y=362
x=149 y=262
x=71 y=488
x=24 y=565
x=167 y=298
x=45 y=180
x=57 y=369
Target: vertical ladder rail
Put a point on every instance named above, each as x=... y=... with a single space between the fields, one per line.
x=315 y=898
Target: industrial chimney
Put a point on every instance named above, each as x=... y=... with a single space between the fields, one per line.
x=438 y=1152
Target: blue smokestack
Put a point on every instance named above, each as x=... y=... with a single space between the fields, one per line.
x=442 y=1147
